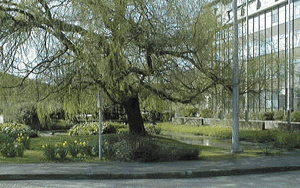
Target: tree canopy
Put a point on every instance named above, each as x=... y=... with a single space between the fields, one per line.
x=121 y=47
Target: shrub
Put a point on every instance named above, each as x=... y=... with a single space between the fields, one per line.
x=13 y=128
x=84 y=129
x=207 y=113
x=5 y=137
x=265 y=137
x=8 y=149
x=28 y=115
x=8 y=146
x=62 y=150
x=93 y=128
x=23 y=139
x=146 y=152
x=109 y=128
x=73 y=148
x=145 y=149
x=266 y=115
x=95 y=149
x=295 y=116
x=287 y=140
x=85 y=149
x=279 y=115
x=153 y=129
x=19 y=149
x=167 y=116
x=49 y=152
x=108 y=151
x=190 y=112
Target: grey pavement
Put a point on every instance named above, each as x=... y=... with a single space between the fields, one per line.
x=162 y=170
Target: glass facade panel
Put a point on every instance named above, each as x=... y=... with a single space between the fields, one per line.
x=275 y=16
x=297 y=9
x=262 y=48
x=281 y=14
x=250 y=26
x=270 y=26
x=268 y=45
x=256 y=24
x=274 y=43
x=240 y=29
x=262 y=21
x=297 y=38
x=268 y=18
x=281 y=42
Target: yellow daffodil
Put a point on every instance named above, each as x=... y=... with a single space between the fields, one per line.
x=75 y=141
x=84 y=144
x=65 y=143
x=43 y=146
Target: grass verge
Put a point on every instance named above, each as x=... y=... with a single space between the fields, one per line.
x=280 y=139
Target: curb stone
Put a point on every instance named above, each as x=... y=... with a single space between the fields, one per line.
x=167 y=175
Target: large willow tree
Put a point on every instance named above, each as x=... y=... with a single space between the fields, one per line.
x=121 y=47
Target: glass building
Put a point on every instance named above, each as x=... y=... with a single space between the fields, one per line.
x=269 y=41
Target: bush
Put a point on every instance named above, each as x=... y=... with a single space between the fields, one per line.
x=190 y=112
x=86 y=149
x=93 y=128
x=28 y=115
x=266 y=116
x=62 y=150
x=109 y=128
x=167 y=116
x=84 y=129
x=207 y=113
x=287 y=140
x=108 y=151
x=279 y=115
x=295 y=116
x=19 y=149
x=73 y=148
x=9 y=147
x=49 y=152
x=23 y=139
x=144 y=149
x=153 y=129
x=14 y=128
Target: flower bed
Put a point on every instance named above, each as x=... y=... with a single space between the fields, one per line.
x=93 y=128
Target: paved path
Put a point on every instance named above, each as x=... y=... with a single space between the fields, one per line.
x=163 y=170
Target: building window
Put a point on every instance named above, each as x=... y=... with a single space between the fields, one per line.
x=258 y=4
x=268 y=45
x=275 y=16
x=281 y=42
x=297 y=11
x=275 y=43
x=297 y=38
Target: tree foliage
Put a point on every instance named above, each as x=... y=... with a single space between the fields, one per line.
x=122 y=47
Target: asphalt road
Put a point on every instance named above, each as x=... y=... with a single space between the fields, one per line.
x=273 y=180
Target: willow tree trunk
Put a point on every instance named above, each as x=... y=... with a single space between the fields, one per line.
x=134 y=116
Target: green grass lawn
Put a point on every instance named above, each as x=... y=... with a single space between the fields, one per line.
x=35 y=154
x=283 y=138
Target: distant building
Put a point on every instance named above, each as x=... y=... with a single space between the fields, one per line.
x=265 y=37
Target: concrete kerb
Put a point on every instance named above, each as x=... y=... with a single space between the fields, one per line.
x=166 y=175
